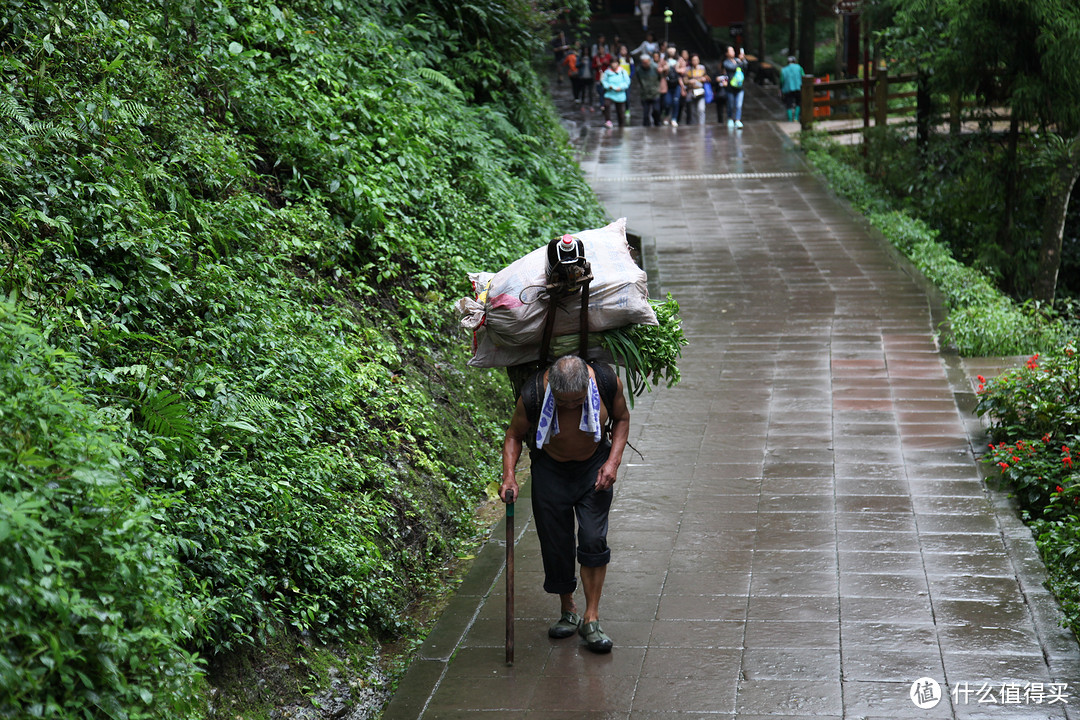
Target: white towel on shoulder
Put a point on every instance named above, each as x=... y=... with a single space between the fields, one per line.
x=548 y=424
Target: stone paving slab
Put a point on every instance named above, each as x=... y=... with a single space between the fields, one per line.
x=808 y=531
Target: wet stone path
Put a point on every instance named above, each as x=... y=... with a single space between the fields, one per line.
x=808 y=532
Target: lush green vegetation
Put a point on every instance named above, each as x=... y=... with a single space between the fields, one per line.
x=229 y=236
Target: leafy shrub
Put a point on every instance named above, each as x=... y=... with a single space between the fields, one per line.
x=1059 y=543
x=93 y=617
x=242 y=219
x=1037 y=471
x=1042 y=398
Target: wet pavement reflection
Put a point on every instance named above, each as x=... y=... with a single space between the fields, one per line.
x=807 y=533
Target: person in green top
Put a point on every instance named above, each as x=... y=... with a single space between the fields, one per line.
x=647 y=80
x=791 y=88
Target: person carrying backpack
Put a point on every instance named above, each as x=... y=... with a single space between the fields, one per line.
x=574 y=419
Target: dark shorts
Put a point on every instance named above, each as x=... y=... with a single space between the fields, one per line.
x=792 y=98
x=563 y=492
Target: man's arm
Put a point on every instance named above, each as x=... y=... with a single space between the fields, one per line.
x=620 y=431
x=512 y=443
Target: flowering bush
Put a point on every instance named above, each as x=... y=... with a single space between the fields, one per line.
x=1034 y=412
x=1041 y=398
x=1041 y=473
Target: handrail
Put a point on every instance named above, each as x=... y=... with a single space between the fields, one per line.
x=696 y=25
x=878 y=103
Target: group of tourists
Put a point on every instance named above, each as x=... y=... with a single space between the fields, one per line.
x=672 y=86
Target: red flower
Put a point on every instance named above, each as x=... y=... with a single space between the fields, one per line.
x=1015 y=459
x=1060 y=489
x=1004 y=465
x=1046 y=437
x=1065 y=449
x=980 y=378
x=1066 y=461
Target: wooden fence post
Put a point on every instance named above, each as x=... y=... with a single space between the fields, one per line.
x=806 y=111
x=881 y=98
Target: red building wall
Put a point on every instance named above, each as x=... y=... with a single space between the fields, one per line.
x=723 y=13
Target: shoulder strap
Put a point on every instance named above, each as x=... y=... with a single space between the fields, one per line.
x=532 y=395
x=606 y=382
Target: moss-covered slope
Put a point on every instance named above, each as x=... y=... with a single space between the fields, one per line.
x=245 y=223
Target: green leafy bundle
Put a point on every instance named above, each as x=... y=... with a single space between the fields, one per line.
x=647 y=354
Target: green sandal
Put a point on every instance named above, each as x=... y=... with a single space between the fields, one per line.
x=595 y=639
x=566 y=626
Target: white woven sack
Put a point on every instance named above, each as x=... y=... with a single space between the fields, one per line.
x=514 y=314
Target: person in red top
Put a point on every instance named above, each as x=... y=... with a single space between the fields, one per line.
x=600 y=62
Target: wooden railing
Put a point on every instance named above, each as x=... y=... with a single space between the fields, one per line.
x=888 y=99
x=856 y=99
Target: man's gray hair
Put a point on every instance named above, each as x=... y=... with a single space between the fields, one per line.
x=569 y=375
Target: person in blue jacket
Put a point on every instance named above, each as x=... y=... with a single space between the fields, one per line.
x=616 y=82
x=791 y=88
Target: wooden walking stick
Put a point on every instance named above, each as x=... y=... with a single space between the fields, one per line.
x=509 y=577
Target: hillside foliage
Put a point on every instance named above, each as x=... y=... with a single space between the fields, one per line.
x=230 y=233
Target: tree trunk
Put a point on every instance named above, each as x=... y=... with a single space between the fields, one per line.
x=1004 y=234
x=807 y=34
x=793 y=29
x=924 y=112
x=761 y=7
x=1062 y=180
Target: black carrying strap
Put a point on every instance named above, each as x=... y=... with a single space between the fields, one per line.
x=554 y=301
x=583 y=337
x=549 y=325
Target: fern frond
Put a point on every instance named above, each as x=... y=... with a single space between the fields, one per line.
x=11 y=109
x=434 y=76
x=260 y=404
x=166 y=414
x=130 y=111
x=49 y=129
x=501 y=125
